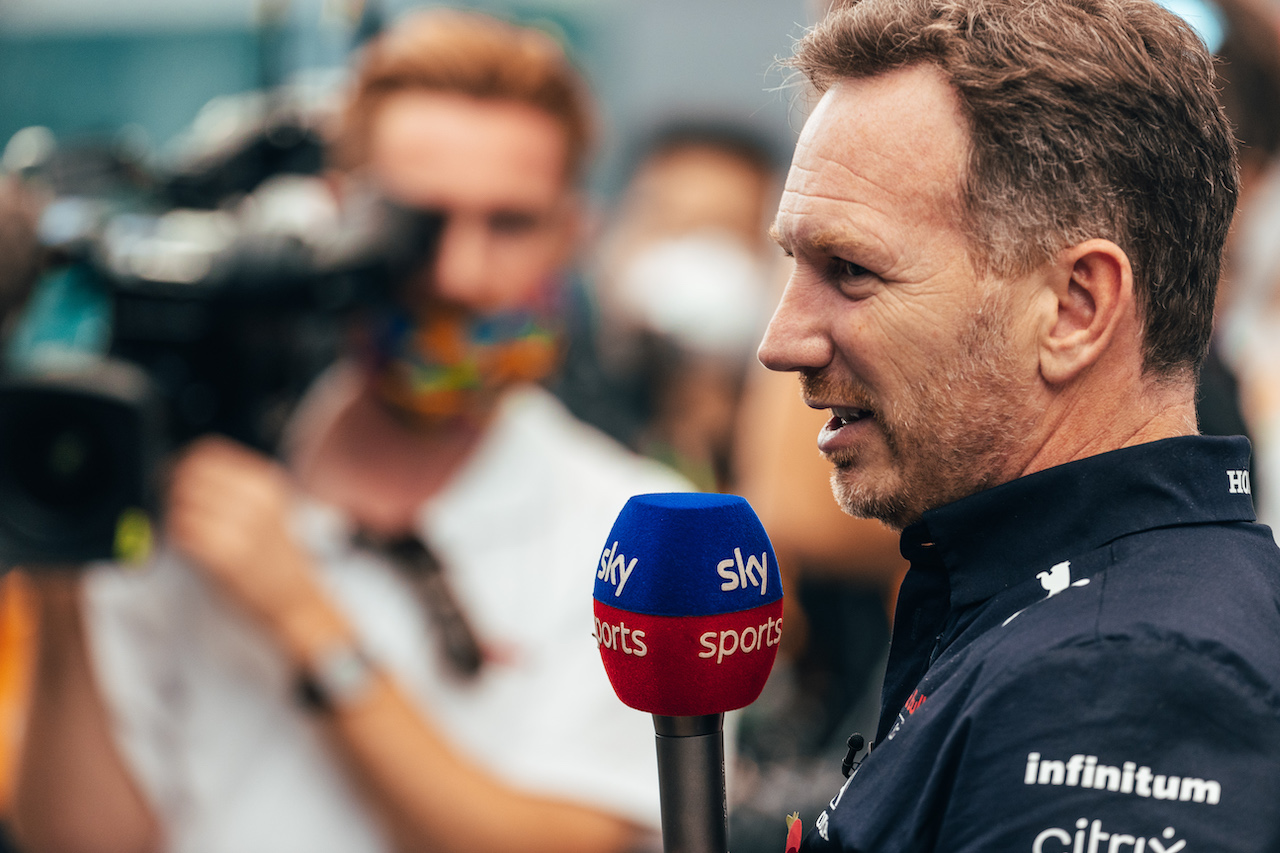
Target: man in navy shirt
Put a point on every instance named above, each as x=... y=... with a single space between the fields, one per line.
x=1007 y=220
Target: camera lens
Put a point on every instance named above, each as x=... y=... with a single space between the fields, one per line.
x=59 y=460
x=68 y=467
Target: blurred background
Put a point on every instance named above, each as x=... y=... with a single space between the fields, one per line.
x=145 y=68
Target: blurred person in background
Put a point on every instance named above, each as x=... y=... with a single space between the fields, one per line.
x=386 y=644
x=684 y=278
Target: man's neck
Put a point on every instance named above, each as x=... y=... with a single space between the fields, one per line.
x=1088 y=423
x=376 y=464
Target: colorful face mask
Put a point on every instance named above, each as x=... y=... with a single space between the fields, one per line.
x=457 y=361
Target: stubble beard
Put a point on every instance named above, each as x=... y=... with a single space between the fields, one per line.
x=948 y=435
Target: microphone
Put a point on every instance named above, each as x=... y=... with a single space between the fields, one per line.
x=688 y=617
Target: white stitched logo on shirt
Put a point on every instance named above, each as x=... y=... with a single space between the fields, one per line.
x=1090 y=836
x=1239 y=483
x=1054 y=581
x=1084 y=771
x=824 y=820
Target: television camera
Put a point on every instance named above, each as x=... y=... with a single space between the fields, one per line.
x=219 y=319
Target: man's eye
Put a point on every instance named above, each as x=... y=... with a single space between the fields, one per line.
x=842 y=269
x=513 y=222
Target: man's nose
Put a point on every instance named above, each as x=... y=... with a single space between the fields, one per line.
x=796 y=338
x=461 y=262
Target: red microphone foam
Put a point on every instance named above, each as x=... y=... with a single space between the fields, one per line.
x=686 y=666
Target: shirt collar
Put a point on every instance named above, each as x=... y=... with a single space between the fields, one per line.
x=998 y=538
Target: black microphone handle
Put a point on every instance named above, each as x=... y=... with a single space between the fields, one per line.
x=691 y=783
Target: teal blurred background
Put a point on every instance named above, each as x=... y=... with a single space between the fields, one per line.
x=93 y=69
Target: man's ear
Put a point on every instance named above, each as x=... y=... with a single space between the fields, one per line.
x=1092 y=295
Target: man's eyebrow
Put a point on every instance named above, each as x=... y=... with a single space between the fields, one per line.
x=823 y=239
x=774 y=234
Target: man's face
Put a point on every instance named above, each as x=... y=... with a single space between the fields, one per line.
x=496 y=169
x=929 y=371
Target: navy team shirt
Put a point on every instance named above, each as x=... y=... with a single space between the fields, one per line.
x=1084 y=660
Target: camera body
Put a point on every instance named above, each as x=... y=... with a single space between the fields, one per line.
x=218 y=323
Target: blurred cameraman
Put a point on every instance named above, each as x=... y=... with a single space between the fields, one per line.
x=385 y=645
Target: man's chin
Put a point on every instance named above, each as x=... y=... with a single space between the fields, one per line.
x=861 y=499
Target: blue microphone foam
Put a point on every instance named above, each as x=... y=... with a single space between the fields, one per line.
x=687 y=554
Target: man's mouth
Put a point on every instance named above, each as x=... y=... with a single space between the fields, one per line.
x=842 y=416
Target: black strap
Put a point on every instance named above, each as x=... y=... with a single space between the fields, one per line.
x=423 y=567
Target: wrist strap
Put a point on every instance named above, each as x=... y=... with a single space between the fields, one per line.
x=340 y=677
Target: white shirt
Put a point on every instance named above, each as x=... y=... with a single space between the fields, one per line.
x=203 y=706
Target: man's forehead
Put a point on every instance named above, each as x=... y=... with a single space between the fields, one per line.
x=895 y=139
x=916 y=104
x=446 y=145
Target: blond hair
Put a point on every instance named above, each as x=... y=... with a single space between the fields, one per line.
x=472 y=54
